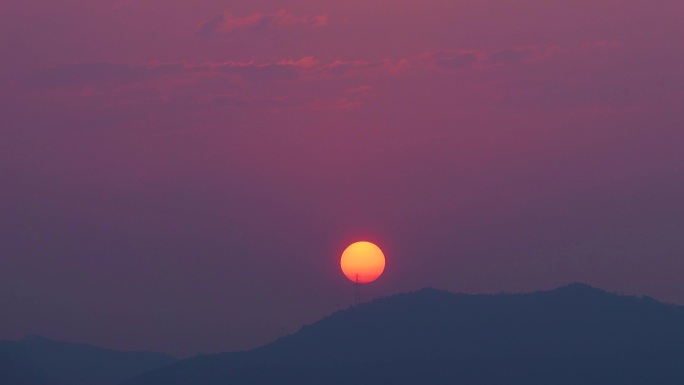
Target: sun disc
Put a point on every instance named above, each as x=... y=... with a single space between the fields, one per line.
x=362 y=262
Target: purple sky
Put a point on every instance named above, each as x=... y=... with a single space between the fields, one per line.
x=183 y=175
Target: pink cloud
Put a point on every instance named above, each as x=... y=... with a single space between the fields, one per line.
x=315 y=84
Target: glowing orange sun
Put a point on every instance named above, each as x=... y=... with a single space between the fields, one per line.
x=362 y=262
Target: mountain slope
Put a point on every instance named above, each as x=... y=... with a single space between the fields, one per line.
x=15 y=369
x=574 y=332
x=37 y=360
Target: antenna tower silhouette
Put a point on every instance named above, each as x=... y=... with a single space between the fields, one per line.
x=357 y=291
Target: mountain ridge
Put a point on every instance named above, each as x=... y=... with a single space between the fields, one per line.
x=431 y=326
x=38 y=360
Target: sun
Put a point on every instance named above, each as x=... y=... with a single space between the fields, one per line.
x=362 y=262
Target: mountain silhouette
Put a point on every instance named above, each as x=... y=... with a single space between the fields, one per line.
x=570 y=335
x=36 y=360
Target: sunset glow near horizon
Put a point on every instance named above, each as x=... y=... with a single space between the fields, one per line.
x=161 y=159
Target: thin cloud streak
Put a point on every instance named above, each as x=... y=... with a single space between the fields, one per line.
x=281 y=19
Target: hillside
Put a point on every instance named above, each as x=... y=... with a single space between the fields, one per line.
x=568 y=335
x=37 y=360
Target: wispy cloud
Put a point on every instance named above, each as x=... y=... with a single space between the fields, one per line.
x=227 y=22
x=81 y=74
x=318 y=84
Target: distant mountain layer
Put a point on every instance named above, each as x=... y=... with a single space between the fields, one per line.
x=570 y=335
x=37 y=360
